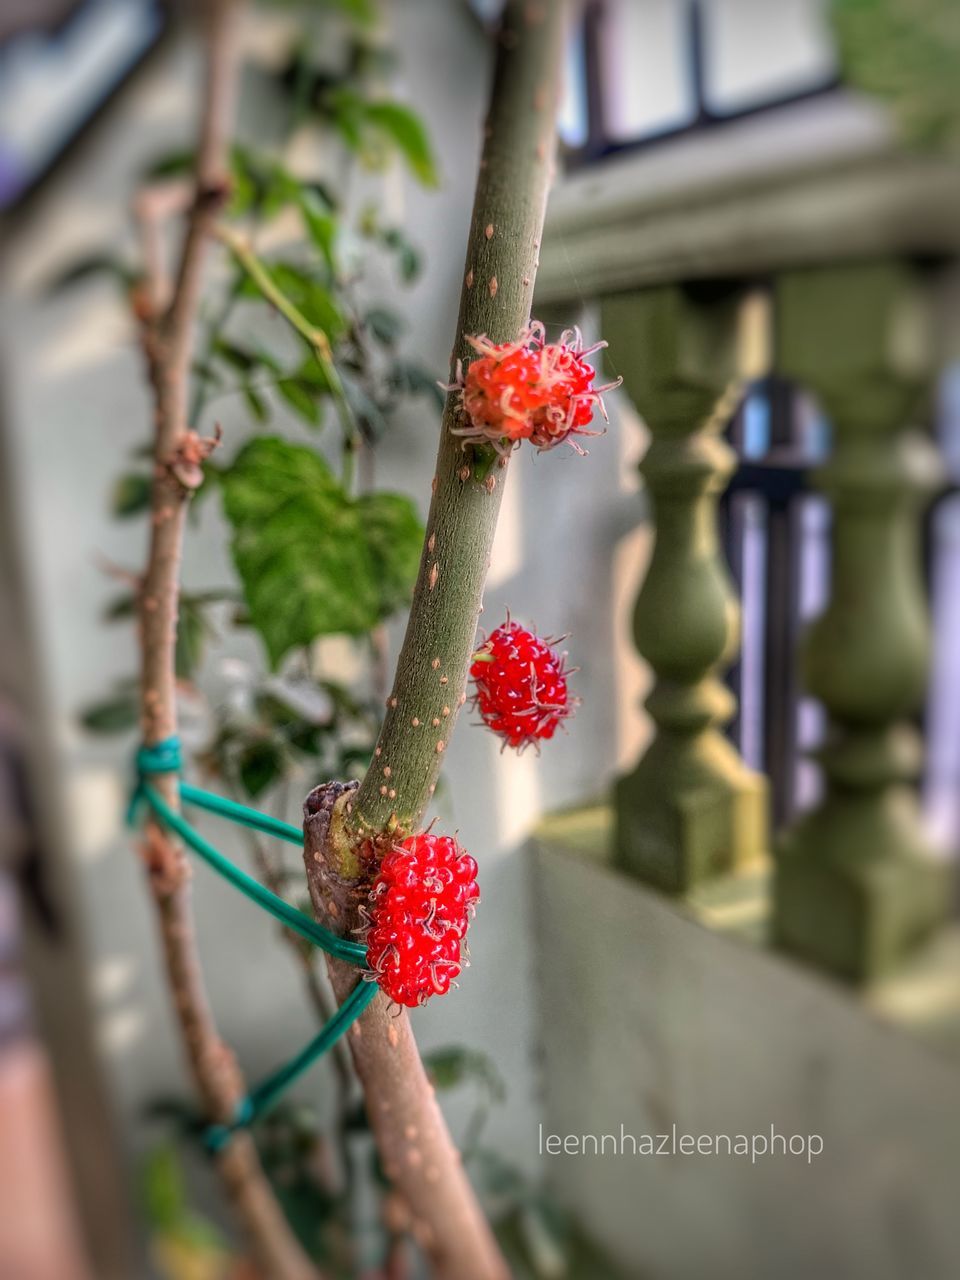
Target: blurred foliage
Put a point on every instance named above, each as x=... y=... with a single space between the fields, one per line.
x=131 y=494
x=907 y=52
x=453 y=1065
x=291 y=729
x=183 y=1245
x=114 y=713
x=313 y=558
x=375 y=129
x=539 y=1239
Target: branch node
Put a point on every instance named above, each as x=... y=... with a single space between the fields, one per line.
x=186 y=461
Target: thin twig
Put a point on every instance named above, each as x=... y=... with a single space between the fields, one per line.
x=245 y=257
x=167 y=340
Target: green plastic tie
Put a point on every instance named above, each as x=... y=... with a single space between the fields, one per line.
x=166 y=757
x=260 y=1100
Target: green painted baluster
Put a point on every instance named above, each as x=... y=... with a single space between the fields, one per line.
x=855 y=886
x=691 y=809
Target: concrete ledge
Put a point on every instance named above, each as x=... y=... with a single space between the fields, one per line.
x=815 y=182
x=658 y=1014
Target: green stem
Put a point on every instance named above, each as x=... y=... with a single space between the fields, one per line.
x=501 y=262
x=245 y=257
x=348 y=462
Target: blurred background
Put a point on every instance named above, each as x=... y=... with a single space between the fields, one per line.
x=728 y=909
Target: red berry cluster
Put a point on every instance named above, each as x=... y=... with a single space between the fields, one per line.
x=521 y=686
x=529 y=390
x=420 y=905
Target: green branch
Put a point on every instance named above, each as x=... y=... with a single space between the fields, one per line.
x=501 y=262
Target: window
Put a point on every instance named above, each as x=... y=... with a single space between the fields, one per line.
x=642 y=70
x=55 y=76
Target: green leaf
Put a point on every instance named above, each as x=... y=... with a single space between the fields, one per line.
x=453 y=1065
x=260 y=764
x=98 y=264
x=234 y=355
x=495 y=1176
x=113 y=715
x=260 y=185
x=375 y=128
x=385 y=325
x=306 y=738
x=369 y=415
x=302 y=730
x=321 y=225
x=405 y=129
x=131 y=495
x=353 y=762
x=369 y=59
x=192 y=634
x=205 y=373
x=409 y=378
x=905 y=51
x=168 y=1213
x=408 y=257
x=120 y=608
x=307 y=293
x=265 y=188
x=164 y=1194
x=362 y=11
x=314 y=561
x=256 y=404
x=313 y=375
x=250 y=363
x=173 y=165
x=346 y=701
x=301 y=398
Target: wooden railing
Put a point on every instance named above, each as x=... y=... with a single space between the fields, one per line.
x=853 y=275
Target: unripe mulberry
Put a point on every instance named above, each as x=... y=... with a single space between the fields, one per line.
x=421 y=902
x=529 y=390
x=521 y=686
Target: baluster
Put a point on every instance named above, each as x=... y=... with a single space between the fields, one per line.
x=855 y=886
x=691 y=809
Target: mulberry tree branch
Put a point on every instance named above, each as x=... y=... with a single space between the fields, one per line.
x=167 y=332
x=345 y=827
x=501 y=264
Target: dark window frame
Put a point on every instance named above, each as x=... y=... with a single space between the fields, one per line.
x=599 y=146
x=84 y=125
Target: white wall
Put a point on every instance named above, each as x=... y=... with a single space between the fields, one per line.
x=697 y=1029
x=74 y=398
